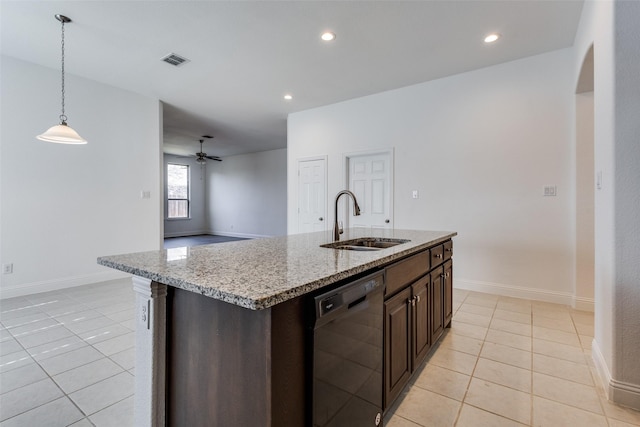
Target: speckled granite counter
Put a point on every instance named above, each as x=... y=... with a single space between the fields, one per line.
x=260 y=273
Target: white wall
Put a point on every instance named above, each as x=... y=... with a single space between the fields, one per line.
x=479 y=147
x=627 y=199
x=612 y=29
x=596 y=28
x=247 y=195
x=197 y=223
x=585 y=184
x=63 y=206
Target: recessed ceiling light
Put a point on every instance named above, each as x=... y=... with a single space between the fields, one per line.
x=491 y=38
x=288 y=97
x=328 y=36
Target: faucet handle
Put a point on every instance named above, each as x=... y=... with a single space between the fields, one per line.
x=340 y=230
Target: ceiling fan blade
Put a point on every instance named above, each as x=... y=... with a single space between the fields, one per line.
x=216 y=158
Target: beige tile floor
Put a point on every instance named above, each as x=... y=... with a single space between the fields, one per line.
x=510 y=362
x=67 y=359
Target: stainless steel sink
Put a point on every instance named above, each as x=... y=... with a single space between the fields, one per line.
x=365 y=244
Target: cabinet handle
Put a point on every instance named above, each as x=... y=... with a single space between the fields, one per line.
x=417 y=298
x=439 y=256
x=449 y=250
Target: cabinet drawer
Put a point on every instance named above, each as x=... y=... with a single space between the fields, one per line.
x=403 y=272
x=437 y=255
x=448 y=250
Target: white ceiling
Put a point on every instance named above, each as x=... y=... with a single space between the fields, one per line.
x=246 y=55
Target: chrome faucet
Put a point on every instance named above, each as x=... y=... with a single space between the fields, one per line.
x=337 y=229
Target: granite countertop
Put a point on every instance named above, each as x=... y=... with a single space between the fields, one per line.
x=260 y=273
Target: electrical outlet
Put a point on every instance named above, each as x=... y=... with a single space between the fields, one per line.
x=145 y=194
x=414 y=194
x=145 y=308
x=7 y=268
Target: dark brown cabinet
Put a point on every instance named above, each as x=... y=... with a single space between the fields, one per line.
x=397 y=352
x=408 y=338
x=437 y=313
x=448 y=293
x=418 y=306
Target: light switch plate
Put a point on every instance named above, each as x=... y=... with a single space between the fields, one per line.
x=145 y=316
x=550 y=190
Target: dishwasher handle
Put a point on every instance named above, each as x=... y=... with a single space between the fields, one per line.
x=349 y=295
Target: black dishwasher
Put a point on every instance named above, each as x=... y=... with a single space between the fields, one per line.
x=347 y=354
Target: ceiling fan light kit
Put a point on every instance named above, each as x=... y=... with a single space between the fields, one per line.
x=201 y=157
x=62 y=133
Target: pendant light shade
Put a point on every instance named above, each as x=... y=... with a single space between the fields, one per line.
x=62 y=133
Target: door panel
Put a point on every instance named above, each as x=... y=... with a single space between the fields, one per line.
x=370 y=179
x=448 y=293
x=437 y=300
x=397 y=329
x=312 y=196
x=421 y=333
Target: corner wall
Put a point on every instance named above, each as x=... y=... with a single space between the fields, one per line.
x=479 y=147
x=247 y=195
x=63 y=206
x=612 y=29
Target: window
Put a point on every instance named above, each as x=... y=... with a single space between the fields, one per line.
x=177 y=191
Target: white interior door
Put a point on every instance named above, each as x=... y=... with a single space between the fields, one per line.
x=312 y=195
x=370 y=179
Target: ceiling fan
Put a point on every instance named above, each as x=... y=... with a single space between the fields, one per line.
x=201 y=157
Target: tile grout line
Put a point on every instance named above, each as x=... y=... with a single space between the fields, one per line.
x=531 y=417
x=472 y=376
x=464 y=396
x=50 y=377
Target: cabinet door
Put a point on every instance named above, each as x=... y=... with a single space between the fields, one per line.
x=437 y=301
x=421 y=332
x=448 y=293
x=397 y=352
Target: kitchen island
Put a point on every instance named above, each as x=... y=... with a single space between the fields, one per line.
x=220 y=329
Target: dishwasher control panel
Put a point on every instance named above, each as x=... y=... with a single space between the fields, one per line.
x=348 y=294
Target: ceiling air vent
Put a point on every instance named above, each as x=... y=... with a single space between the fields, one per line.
x=174 y=59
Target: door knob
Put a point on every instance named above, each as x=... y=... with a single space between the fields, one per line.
x=321 y=219
x=387 y=221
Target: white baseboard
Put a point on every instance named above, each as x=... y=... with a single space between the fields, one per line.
x=625 y=394
x=186 y=233
x=217 y=233
x=601 y=366
x=619 y=392
x=242 y=235
x=62 y=283
x=584 y=304
x=564 y=298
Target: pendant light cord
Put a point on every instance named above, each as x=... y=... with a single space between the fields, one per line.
x=63 y=118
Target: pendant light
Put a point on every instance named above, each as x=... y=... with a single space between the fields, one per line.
x=62 y=133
